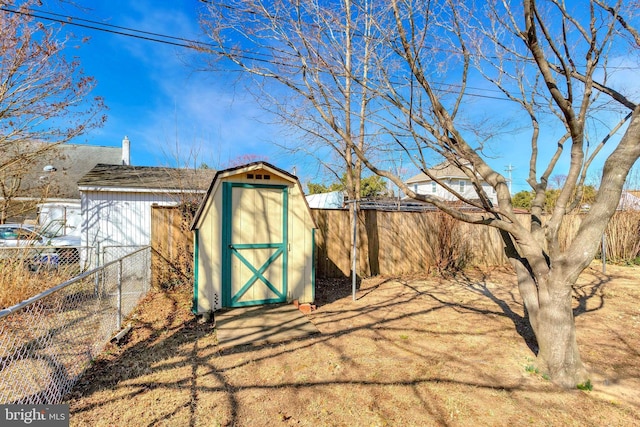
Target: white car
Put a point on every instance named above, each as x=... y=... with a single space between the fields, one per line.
x=25 y=236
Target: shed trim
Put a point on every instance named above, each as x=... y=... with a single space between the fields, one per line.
x=228 y=251
x=313 y=264
x=196 y=258
x=226 y=240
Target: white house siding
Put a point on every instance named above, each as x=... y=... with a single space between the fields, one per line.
x=115 y=221
x=468 y=192
x=332 y=200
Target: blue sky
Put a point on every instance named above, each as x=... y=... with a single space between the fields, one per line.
x=155 y=97
x=170 y=110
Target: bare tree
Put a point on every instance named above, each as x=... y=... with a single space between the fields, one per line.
x=244 y=159
x=43 y=98
x=552 y=61
x=551 y=65
x=558 y=180
x=319 y=56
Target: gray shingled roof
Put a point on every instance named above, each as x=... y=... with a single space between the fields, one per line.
x=71 y=162
x=146 y=177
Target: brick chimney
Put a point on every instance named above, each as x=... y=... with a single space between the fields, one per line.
x=126 y=151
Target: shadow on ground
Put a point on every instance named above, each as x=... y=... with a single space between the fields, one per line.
x=410 y=352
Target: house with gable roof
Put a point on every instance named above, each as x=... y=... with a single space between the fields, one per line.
x=454 y=178
x=46 y=189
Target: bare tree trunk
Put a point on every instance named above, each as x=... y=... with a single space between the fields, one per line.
x=554 y=327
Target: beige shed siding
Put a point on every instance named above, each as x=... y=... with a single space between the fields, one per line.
x=300 y=237
x=301 y=247
x=210 y=254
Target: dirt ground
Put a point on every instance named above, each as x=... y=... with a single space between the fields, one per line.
x=418 y=351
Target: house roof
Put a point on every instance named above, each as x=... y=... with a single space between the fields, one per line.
x=120 y=177
x=443 y=170
x=70 y=161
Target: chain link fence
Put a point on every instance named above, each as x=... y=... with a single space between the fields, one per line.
x=48 y=256
x=47 y=341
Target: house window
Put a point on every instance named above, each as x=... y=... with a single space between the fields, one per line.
x=461 y=186
x=415 y=188
x=433 y=187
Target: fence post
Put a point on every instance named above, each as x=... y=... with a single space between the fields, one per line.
x=96 y=284
x=604 y=253
x=147 y=270
x=119 y=294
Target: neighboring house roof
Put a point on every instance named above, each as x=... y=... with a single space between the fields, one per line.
x=66 y=164
x=146 y=178
x=331 y=200
x=443 y=170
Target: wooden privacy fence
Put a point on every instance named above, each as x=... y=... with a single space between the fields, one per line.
x=171 y=247
x=394 y=243
x=389 y=243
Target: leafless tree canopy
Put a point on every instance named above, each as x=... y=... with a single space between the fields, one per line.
x=44 y=96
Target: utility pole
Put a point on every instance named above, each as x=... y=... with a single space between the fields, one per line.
x=509 y=169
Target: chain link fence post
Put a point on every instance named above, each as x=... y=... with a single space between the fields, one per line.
x=119 y=293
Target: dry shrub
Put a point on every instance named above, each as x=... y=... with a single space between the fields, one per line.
x=623 y=237
x=21 y=279
x=449 y=244
x=175 y=272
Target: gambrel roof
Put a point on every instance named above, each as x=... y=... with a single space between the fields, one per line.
x=243 y=169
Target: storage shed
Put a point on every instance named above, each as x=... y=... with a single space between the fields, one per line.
x=254 y=240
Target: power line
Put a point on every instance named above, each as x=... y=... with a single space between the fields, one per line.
x=166 y=39
x=185 y=42
x=163 y=38
x=130 y=32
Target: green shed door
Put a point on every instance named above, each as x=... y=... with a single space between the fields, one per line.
x=254 y=244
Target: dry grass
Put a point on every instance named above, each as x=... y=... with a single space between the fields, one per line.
x=623 y=237
x=417 y=351
x=19 y=281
